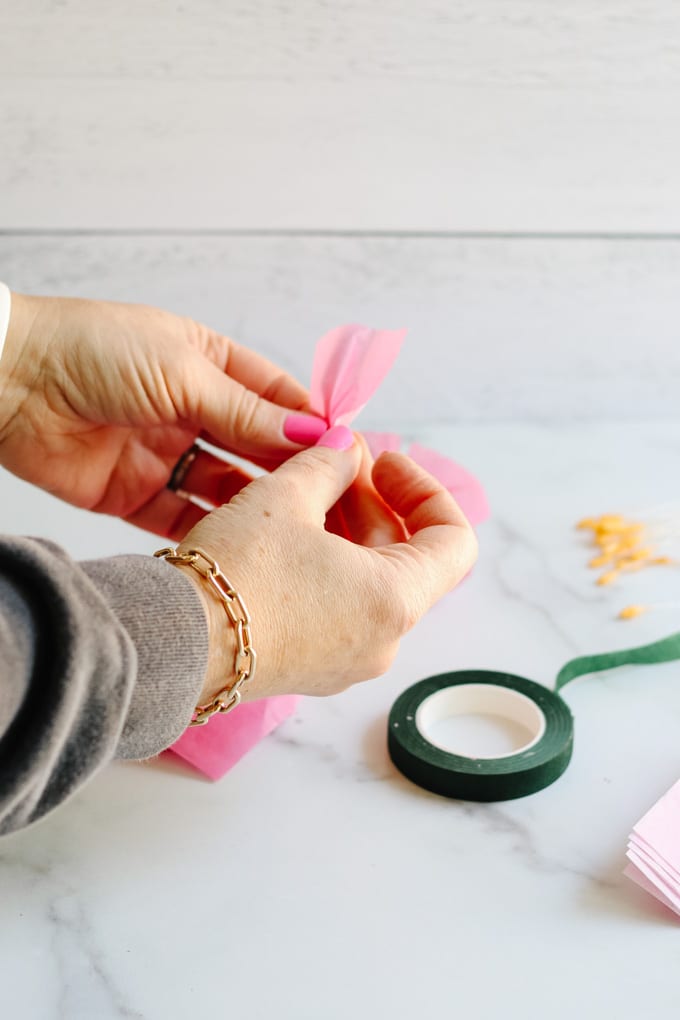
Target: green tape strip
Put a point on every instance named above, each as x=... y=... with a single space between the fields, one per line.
x=515 y=775
x=666 y=650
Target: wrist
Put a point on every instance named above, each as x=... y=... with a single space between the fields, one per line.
x=221 y=639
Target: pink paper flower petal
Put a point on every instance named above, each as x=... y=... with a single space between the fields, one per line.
x=349 y=365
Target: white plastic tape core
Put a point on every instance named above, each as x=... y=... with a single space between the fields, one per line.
x=480 y=721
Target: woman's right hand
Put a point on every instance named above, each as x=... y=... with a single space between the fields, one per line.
x=327 y=613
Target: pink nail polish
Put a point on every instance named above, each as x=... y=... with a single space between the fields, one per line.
x=303 y=428
x=337 y=438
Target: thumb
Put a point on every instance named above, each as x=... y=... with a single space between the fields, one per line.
x=442 y=547
x=315 y=479
x=238 y=419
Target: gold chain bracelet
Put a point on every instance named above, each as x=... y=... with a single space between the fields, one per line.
x=208 y=568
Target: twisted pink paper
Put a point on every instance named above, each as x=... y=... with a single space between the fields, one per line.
x=349 y=365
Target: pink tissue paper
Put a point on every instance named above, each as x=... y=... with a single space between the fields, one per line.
x=216 y=747
x=350 y=362
x=654 y=850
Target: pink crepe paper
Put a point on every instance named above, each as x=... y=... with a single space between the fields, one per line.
x=654 y=850
x=216 y=747
x=349 y=365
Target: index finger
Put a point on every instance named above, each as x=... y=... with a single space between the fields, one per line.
x=260 y=375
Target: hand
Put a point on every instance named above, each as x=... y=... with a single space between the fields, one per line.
x=326 y=612
x=99 y=400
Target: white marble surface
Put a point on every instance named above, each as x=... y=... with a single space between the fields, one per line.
x=314 y=883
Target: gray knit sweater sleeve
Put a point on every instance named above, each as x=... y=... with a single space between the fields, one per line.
x=97 y=660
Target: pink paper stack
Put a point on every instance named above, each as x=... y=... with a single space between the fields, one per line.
x=654 y=850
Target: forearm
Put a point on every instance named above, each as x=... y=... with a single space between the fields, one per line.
x=97 y=660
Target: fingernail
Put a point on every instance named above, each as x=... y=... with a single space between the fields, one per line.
x=337 y=438
x=304 y=428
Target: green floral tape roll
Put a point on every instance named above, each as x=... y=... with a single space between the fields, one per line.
x=539 y=712
x=534 y=710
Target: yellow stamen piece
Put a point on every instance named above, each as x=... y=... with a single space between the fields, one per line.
x=636 y=556
x=608 y=545
x=629 y=567
x=630 y=612
x=611 y=522
x=619 y=544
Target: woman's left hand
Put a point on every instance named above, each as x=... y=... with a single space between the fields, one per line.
x=99 y=401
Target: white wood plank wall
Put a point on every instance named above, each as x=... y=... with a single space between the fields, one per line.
x=498 y=330
x=476 y=115
x=500 y=176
